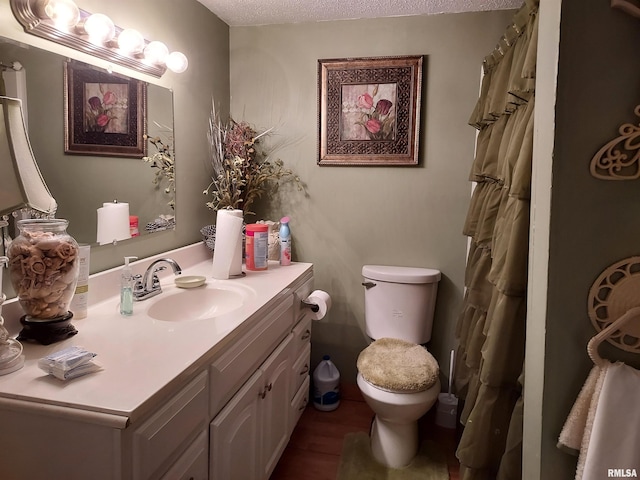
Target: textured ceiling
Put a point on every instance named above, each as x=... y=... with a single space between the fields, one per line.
x=266 y=12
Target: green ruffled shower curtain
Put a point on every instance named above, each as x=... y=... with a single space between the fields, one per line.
x=489 y=372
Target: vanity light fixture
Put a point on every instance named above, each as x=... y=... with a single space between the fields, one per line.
x=156 y=53
x=131 y=42
x=64 y=13
x=61 y=21
x=177 y=62
x=100 y=29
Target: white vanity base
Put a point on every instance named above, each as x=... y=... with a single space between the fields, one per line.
x=208 y=399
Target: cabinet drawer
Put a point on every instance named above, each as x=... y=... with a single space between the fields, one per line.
x=237 y=364
x=193 y=464
x=301 y=334
x=159 y=440
x=299 y=403
x=300 y=369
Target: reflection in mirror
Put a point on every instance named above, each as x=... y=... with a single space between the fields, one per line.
x=82 y=183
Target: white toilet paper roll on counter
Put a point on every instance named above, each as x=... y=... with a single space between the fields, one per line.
x=228 y=234
x=321 y=300
x=236 y=262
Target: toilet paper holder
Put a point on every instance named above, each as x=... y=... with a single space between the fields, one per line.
x=313 y=306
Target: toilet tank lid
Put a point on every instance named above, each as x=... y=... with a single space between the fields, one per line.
x=388 y=273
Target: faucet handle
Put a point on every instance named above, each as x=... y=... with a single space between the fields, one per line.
x=155 y=280
x=138 y=286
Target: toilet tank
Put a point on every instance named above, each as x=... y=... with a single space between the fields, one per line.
x=399 y=302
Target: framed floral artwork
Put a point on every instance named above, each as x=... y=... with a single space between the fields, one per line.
x=105 y=113
x=369 y=110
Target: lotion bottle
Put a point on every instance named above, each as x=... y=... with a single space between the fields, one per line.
x=126 y=288
x=285 y=241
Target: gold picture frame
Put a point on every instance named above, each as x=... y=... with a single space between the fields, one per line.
x=105 y=113
x=369 y=110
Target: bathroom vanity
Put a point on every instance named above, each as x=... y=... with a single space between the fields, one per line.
x=210 y=394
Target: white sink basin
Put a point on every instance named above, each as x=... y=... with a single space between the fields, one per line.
x=206 y=302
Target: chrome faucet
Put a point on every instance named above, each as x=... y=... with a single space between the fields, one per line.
x=148 y=285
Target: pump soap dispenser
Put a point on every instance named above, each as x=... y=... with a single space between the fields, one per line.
x=126 y=288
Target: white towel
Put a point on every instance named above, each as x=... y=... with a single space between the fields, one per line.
x=573 y=431
x=609 y=432
x=615 y=436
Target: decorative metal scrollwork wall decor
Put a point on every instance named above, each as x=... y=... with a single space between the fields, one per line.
x=619 y=159
x=614 y=293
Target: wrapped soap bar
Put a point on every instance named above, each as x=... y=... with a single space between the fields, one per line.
x=69 y=363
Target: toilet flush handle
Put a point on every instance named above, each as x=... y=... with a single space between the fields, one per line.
x=368 y=285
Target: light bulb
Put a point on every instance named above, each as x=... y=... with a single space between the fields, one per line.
x=100 y=28
x=64 y=13
x=156 y=52
x=131 y=41
x=177 y=62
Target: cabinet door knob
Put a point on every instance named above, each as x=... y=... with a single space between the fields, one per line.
x=304 y=370
x=267 y=388
x=306 y=334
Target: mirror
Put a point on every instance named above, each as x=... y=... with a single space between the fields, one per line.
x=82 y=183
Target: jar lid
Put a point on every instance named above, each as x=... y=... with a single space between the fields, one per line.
x=385 y=273
x=257 y=227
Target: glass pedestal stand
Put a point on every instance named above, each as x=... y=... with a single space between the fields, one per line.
x=11 y=357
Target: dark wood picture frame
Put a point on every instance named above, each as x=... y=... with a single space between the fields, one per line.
x=105 y=113
x=369 y=110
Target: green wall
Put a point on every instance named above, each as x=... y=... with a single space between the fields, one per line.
x=593 y=223
x=353 y=216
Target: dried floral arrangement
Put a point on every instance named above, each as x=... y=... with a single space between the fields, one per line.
x=163 y=161
x=242 y=170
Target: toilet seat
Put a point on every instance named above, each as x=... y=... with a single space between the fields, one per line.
x=398 y=366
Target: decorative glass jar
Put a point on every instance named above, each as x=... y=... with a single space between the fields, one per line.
x=43 y=267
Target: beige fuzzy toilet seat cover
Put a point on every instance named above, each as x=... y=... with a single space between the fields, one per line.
x=398 y=366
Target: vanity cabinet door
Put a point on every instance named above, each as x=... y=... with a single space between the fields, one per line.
x=233 y=367
x=275 y=401
x=252 y=430
x=235 y=435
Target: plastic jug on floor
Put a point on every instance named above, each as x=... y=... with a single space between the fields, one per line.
x=326 y=383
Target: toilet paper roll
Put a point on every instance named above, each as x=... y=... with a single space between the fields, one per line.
x=323 y=300
x=113 y=222
x=235 y=268
x=228 y=234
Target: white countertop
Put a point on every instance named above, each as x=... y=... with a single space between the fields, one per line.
x=140 y=356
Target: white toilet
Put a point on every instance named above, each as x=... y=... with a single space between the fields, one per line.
x=398 y=377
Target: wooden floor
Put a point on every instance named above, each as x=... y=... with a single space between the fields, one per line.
x=314 y=450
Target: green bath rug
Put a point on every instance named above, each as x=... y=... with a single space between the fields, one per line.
x=357 y=462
